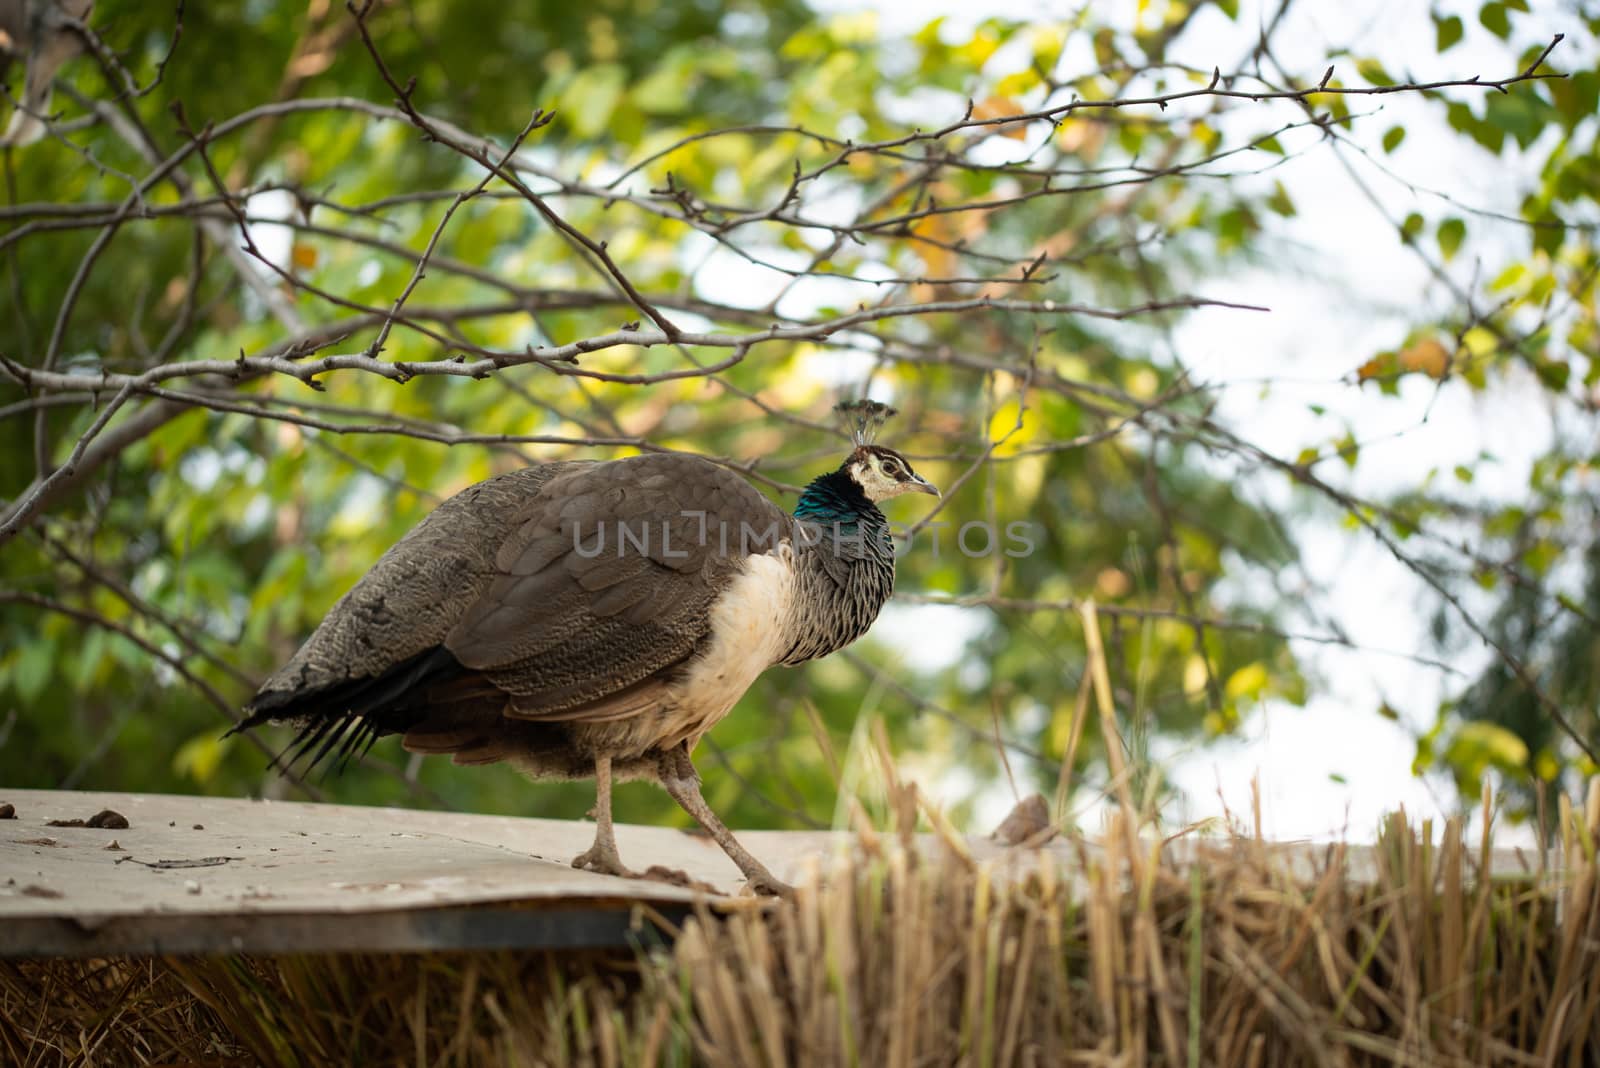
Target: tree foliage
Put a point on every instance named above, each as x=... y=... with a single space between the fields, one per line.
x=258 y=324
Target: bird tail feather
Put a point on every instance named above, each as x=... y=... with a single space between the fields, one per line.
x=345 y=719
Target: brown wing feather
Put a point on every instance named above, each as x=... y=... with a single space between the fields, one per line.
x=410 y=599
x=581 y=623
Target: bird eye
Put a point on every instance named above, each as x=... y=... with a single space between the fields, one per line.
x=892 y=468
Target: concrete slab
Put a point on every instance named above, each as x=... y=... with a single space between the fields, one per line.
x=207 y=874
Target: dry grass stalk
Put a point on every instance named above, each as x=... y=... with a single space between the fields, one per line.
x=1424 y=964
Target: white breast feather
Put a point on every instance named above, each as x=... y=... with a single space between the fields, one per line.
x=748 y=635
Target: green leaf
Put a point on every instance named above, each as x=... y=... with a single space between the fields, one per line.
x=1521 y=115
x=590 y=98
x=1508 y=277
x=1565 y=601
x=31 y=669
x=1447 y=32
x=1130 y=139
x=1411 y=227
x=1349 y=450
x=1425 y=752
x=1279 y=201
x=1392 y=138
x=1481 y=745
x=1495 y=20
x=1451 y=233
x=1577 y=97
x=1554 y=374
x=1548 y=237
x=1235 y=225
x=1373 y=72
x=665 y=90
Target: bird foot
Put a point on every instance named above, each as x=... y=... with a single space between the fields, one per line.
x=603 y=860
x=768 y=886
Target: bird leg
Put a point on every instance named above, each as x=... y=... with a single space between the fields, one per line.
x=682 y=783
x=602 y=856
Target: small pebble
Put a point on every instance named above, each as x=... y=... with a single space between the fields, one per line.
x=199 y=826
x=114 y=846
x=105 y=820
x=191 y=886
x=8 y=811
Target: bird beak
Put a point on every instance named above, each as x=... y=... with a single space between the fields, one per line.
x=919 y=484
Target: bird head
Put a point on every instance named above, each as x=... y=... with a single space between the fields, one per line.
x=883 y=473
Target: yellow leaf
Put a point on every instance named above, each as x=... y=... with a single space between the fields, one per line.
x=304 y=255
x=1143 y=383
x=1021 y=81
x=1248 y=681
x=1480 y=341
x=1083 y=137
x=1003 y=426
x=854 y=27
x=1061 y=726
x=199 y=756
x=1000 y=107
x=1488 y=744
x=1428 y=356
x=943 y=232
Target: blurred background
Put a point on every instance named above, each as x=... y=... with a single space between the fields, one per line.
x=1299 y=387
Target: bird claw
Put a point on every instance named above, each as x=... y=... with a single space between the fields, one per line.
x=768 y=886
x=603 y=861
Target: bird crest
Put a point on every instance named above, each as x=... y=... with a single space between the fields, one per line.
x=862 y=419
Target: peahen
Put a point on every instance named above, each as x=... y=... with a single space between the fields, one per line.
x=587 y=618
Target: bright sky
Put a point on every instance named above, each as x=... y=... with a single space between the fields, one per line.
x=1323 y=324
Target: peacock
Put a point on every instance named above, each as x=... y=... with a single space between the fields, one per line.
x=586 y=618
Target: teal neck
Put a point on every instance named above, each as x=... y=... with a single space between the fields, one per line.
x=834 y=498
